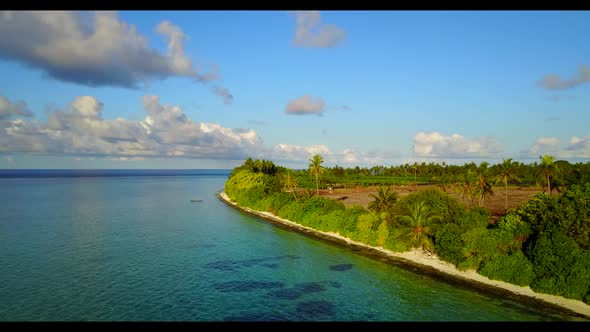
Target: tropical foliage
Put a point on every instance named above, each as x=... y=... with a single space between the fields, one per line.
x=383 y=201
x=544 y=243
x=316 y=168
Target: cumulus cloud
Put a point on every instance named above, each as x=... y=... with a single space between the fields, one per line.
x=350 y=156
x=436 y=145
x=80 y=129
x=305 y=105
x=127 y=159
x=372 y=157
x=554 y=82
x=101 y=51
x=8 y=109
x=544 y=145
x=576 y=147
x=312 y=33
x=298 y=152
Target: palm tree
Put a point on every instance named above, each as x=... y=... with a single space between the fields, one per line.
x=443 y=180
x=505 y=173
x=466 y=187
x=290 y=182
x=419 y=218
x=548 y=168
x=482 y=184
x=383 y=201
x=316 y=168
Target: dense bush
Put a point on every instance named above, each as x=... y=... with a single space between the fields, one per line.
x=243 y=181
x=449 y=209
x=568 y=213
x=448 y=244
x=367 y=228
x=544 y=243
x=561 y=266
x=514 y=268
x=382 y=234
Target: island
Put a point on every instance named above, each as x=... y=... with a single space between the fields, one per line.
x=538 y=248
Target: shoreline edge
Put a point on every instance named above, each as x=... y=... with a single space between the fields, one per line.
x=432 y=265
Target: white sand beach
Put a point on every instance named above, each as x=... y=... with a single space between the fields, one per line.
x=419 y=257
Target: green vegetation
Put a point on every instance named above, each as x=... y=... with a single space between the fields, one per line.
x=419 y=232
x=544 y=243
x=561 y=175
x=506 y=172
x=548 y=169
x=383 y=202
x=316 y=168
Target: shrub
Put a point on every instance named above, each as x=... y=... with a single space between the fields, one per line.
x=448 y=244
x=514 y=268
x=382 y=234
x=448 y=208
x=366 y=228
x=393 y=243
x=241 y=181
x=347 y=225
x=561 y=265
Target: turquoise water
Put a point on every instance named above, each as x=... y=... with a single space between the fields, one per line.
x=136 y=249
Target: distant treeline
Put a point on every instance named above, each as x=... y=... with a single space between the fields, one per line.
x=434 y=173
x=544 y=243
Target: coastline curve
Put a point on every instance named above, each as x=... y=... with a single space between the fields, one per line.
x=432 y=265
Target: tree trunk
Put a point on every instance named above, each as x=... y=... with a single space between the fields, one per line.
x=317 y=185
x=549 y=185
x=506 y=203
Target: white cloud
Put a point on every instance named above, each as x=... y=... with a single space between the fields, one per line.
x=554 y=82
x=350 y=156
x=8 y=109
x=576 y=147
x=372 y=157
x=298 y=152
x=97 y=49
x=311 y=33
x=305 y=105
x=544 y=145
x=166 y=131
x=126 y=159
x=437 y=145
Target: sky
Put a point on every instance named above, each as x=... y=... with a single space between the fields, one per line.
x=208 y=89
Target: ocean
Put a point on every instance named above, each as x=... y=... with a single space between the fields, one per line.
x=129 y=245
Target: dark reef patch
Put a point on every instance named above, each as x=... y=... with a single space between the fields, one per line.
x=341 y=267
x=246 y=286
x=234 y=265
x=258 y=317
x=271 y=265
x=286 y=294
x=298 y=290
x=310 y=287
x=335 y=284
x=316 y=308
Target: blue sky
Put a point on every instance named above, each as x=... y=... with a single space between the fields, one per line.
x=358 y=87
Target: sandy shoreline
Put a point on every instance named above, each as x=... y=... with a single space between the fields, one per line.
x=417 y=257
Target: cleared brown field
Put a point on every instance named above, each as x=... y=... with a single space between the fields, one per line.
x=360 y=196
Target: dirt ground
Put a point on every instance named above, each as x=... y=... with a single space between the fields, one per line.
x=360 y=196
